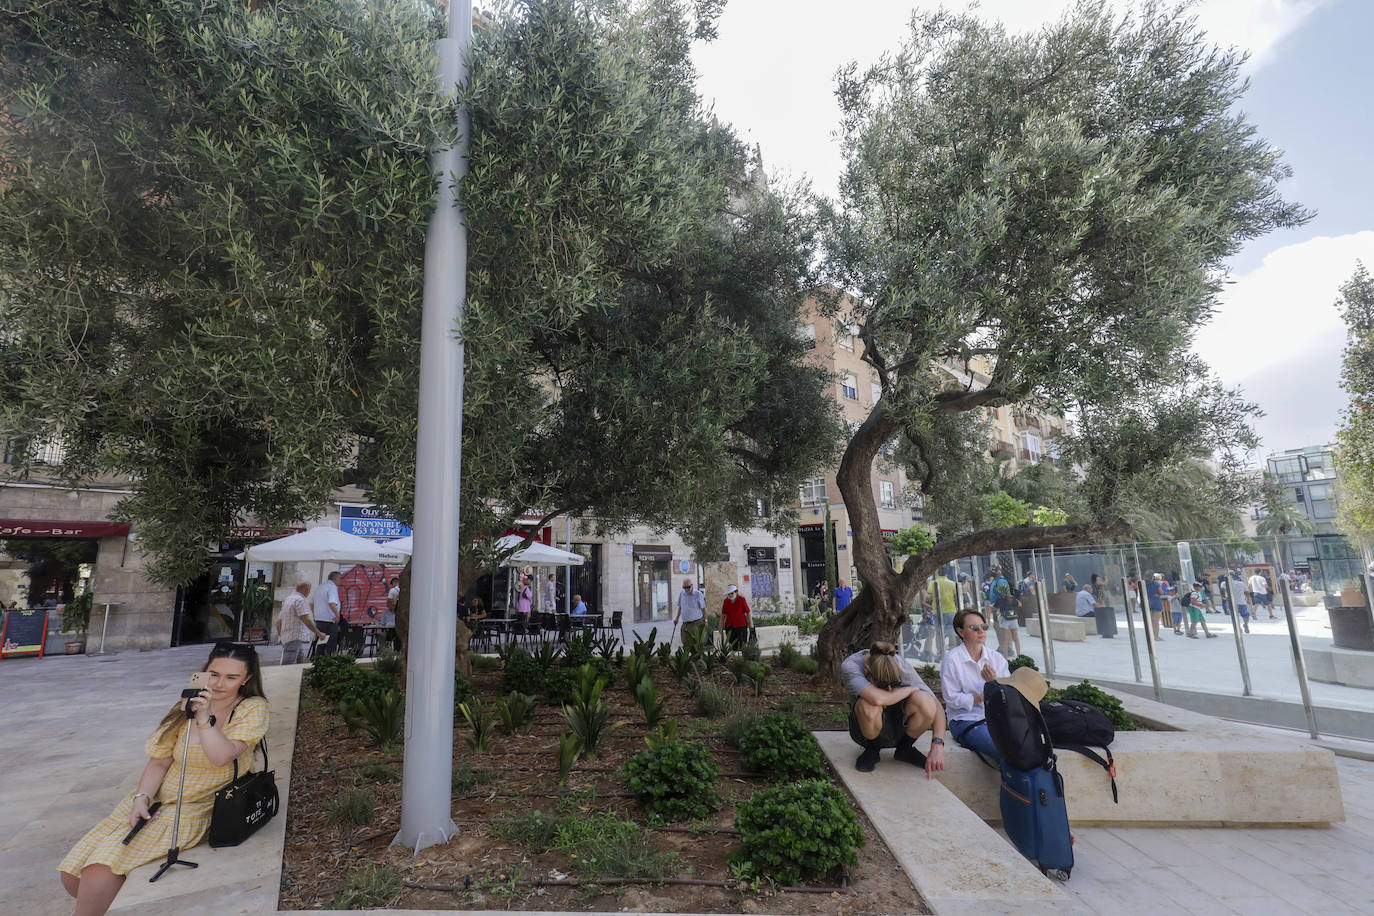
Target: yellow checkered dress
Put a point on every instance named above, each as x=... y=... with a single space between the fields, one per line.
x=102 y=845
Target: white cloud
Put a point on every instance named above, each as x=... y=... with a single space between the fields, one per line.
x=771 y=72
x=1283 y=307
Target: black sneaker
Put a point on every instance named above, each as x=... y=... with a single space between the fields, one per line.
x=868 y=760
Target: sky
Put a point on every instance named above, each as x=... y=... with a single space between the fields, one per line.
x=1277 y=334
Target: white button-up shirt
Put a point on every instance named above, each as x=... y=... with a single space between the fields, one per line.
x=961 y=678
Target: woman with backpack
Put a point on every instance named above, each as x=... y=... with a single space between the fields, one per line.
x=963 y=673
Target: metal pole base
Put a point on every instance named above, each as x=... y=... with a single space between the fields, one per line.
x=173 y=858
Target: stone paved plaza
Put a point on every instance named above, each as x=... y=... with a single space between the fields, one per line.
x=75 y=727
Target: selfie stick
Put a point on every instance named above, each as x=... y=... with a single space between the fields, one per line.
x=174 y=851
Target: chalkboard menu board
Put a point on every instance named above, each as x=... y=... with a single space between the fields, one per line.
x=24 y=632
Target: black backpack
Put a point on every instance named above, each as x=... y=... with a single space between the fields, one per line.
x=1016 y=728
x=1076 y=726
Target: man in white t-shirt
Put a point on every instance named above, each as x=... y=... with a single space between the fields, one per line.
x=393 y=596
x=326 y=609
x=1259 y=589
x=296 y=625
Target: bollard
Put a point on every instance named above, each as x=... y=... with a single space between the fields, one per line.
x=1130 y=627
x=1046 y=643
x=1298 y=661
x=1235 y=631
x=1144 y=604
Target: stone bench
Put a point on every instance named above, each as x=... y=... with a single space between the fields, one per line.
x=1063 y=629
x=1334 y=665
x=771 y=638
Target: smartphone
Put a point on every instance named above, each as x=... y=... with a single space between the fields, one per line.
x=133 y=831
x=199 y=681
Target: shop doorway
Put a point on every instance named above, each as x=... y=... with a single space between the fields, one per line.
x=45 y=572
x=763 y=573
x=586 y=579
x=208 y=608
x=651 y=574
x=812 y=539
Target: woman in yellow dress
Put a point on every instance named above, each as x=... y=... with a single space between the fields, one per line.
x=228 y=720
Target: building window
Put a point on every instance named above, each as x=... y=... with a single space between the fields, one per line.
x=1030 y=447
x=849 y=385
x=813 y=492
x=877 y=392
x=844 y=337
x=887 y=496
x=808 y=333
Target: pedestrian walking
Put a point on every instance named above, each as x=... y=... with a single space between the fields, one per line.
x=296 y=626
x=691 y=609
x=1259 y=591
x=735 y=618
x=328 y=611
x=1192 y=606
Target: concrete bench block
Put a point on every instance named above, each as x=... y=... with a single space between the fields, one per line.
x=1064 y=629
x=771 y=638
x=1307 y=600
x=1334 y=665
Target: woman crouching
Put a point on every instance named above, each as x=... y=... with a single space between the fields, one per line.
x=892 y=707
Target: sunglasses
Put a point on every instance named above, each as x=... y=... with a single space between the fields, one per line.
x=975 y=628
x=231 y=649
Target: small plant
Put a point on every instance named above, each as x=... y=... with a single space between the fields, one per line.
x=806 y=665
x=646 y=694
x=675 y=782
x=713 y=701
x=800 y=832
x=382 y=715
x=328 y=670
x=664 y=653
x=369 y=889
x=680 y=663
x=536 y=831
x=559 y=686
x=569 y=749
x=478 y=721
x=751 y=651
x=509 y=650
x=666 y=733
x=929 y=673
x=76 y=615
x=757 y=675
x=779 y=747
x=379 y=772
x=484 y=662
x=465 y=778
x=738 y=666
x=637 y=668
x=738 y=725
x=522 y=674
x=515 y=711
x=1094 y=696
x=609 y=846
x=644 y=648
x=390 y=663
x=547 y=655
x=588 y=716
x=787 y=654
x=578 y=650
x=356 y=808
x=1023 y=661
x=608 y=649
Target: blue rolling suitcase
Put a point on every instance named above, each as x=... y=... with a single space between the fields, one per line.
x=1035 y=818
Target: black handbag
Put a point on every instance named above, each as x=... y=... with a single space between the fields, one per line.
x=243 y=806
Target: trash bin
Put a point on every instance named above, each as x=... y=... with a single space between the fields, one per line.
x=1106 y=621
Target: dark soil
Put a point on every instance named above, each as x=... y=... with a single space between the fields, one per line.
x=487 y=872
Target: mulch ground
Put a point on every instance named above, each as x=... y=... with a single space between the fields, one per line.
x=478 y=870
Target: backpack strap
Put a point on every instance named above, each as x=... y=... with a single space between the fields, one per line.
x=975 y=750
x=1109 y=764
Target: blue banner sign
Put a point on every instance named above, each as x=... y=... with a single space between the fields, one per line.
x=368 y=522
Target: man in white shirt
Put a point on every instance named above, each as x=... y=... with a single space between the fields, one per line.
x=550 y=594
x=964 y=672
x=691 y=608
x=1259 y=590
x=393 y=596
x=326 y=608
x=296 y=626
x=1084 y=605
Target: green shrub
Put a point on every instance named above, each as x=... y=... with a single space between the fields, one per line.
x=559 y=686
x=466 y=777
x=666 y=733
x=368 y=889
x=547 y=655
x=646 y=695
x=339 y=676
x=324 y=668
x=738 y=725
x=675 y=782
x=637 y=667
x=462 y=691
x=1022 y=661
x=522 y=674
x=806 y=666
x=608 y=846
x=484 y=662
x=664 y=653
x=713 y=701
x=787 y=654
x=751 y=651
x=569 y=749
x=757 y=675
x=357 y=808
x=382 y=715
x=515 y=711
x=680 y=663
x=379 y=772
x=579 y=650
x=588 y=716
x=779 y=747
x=481 y=724
x=794 y=833
x=390 y=663
x=1093 y=696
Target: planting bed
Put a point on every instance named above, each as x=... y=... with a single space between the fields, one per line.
x=345 y=807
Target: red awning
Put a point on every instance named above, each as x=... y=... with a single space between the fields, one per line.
x=45 y=528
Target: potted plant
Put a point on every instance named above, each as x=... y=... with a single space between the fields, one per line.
x=76 y=618
x=257 y=609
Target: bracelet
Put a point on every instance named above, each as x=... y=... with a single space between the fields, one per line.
x=138 y=795
x=211 y=723
x=940 y=741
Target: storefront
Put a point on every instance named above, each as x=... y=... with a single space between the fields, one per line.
x=652 y=585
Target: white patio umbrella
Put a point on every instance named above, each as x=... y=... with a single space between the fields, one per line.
x=325 y=545
x=536 y=554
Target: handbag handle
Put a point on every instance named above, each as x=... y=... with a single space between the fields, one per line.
x=262 y=744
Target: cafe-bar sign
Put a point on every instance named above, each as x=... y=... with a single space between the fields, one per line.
x=42 y=528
